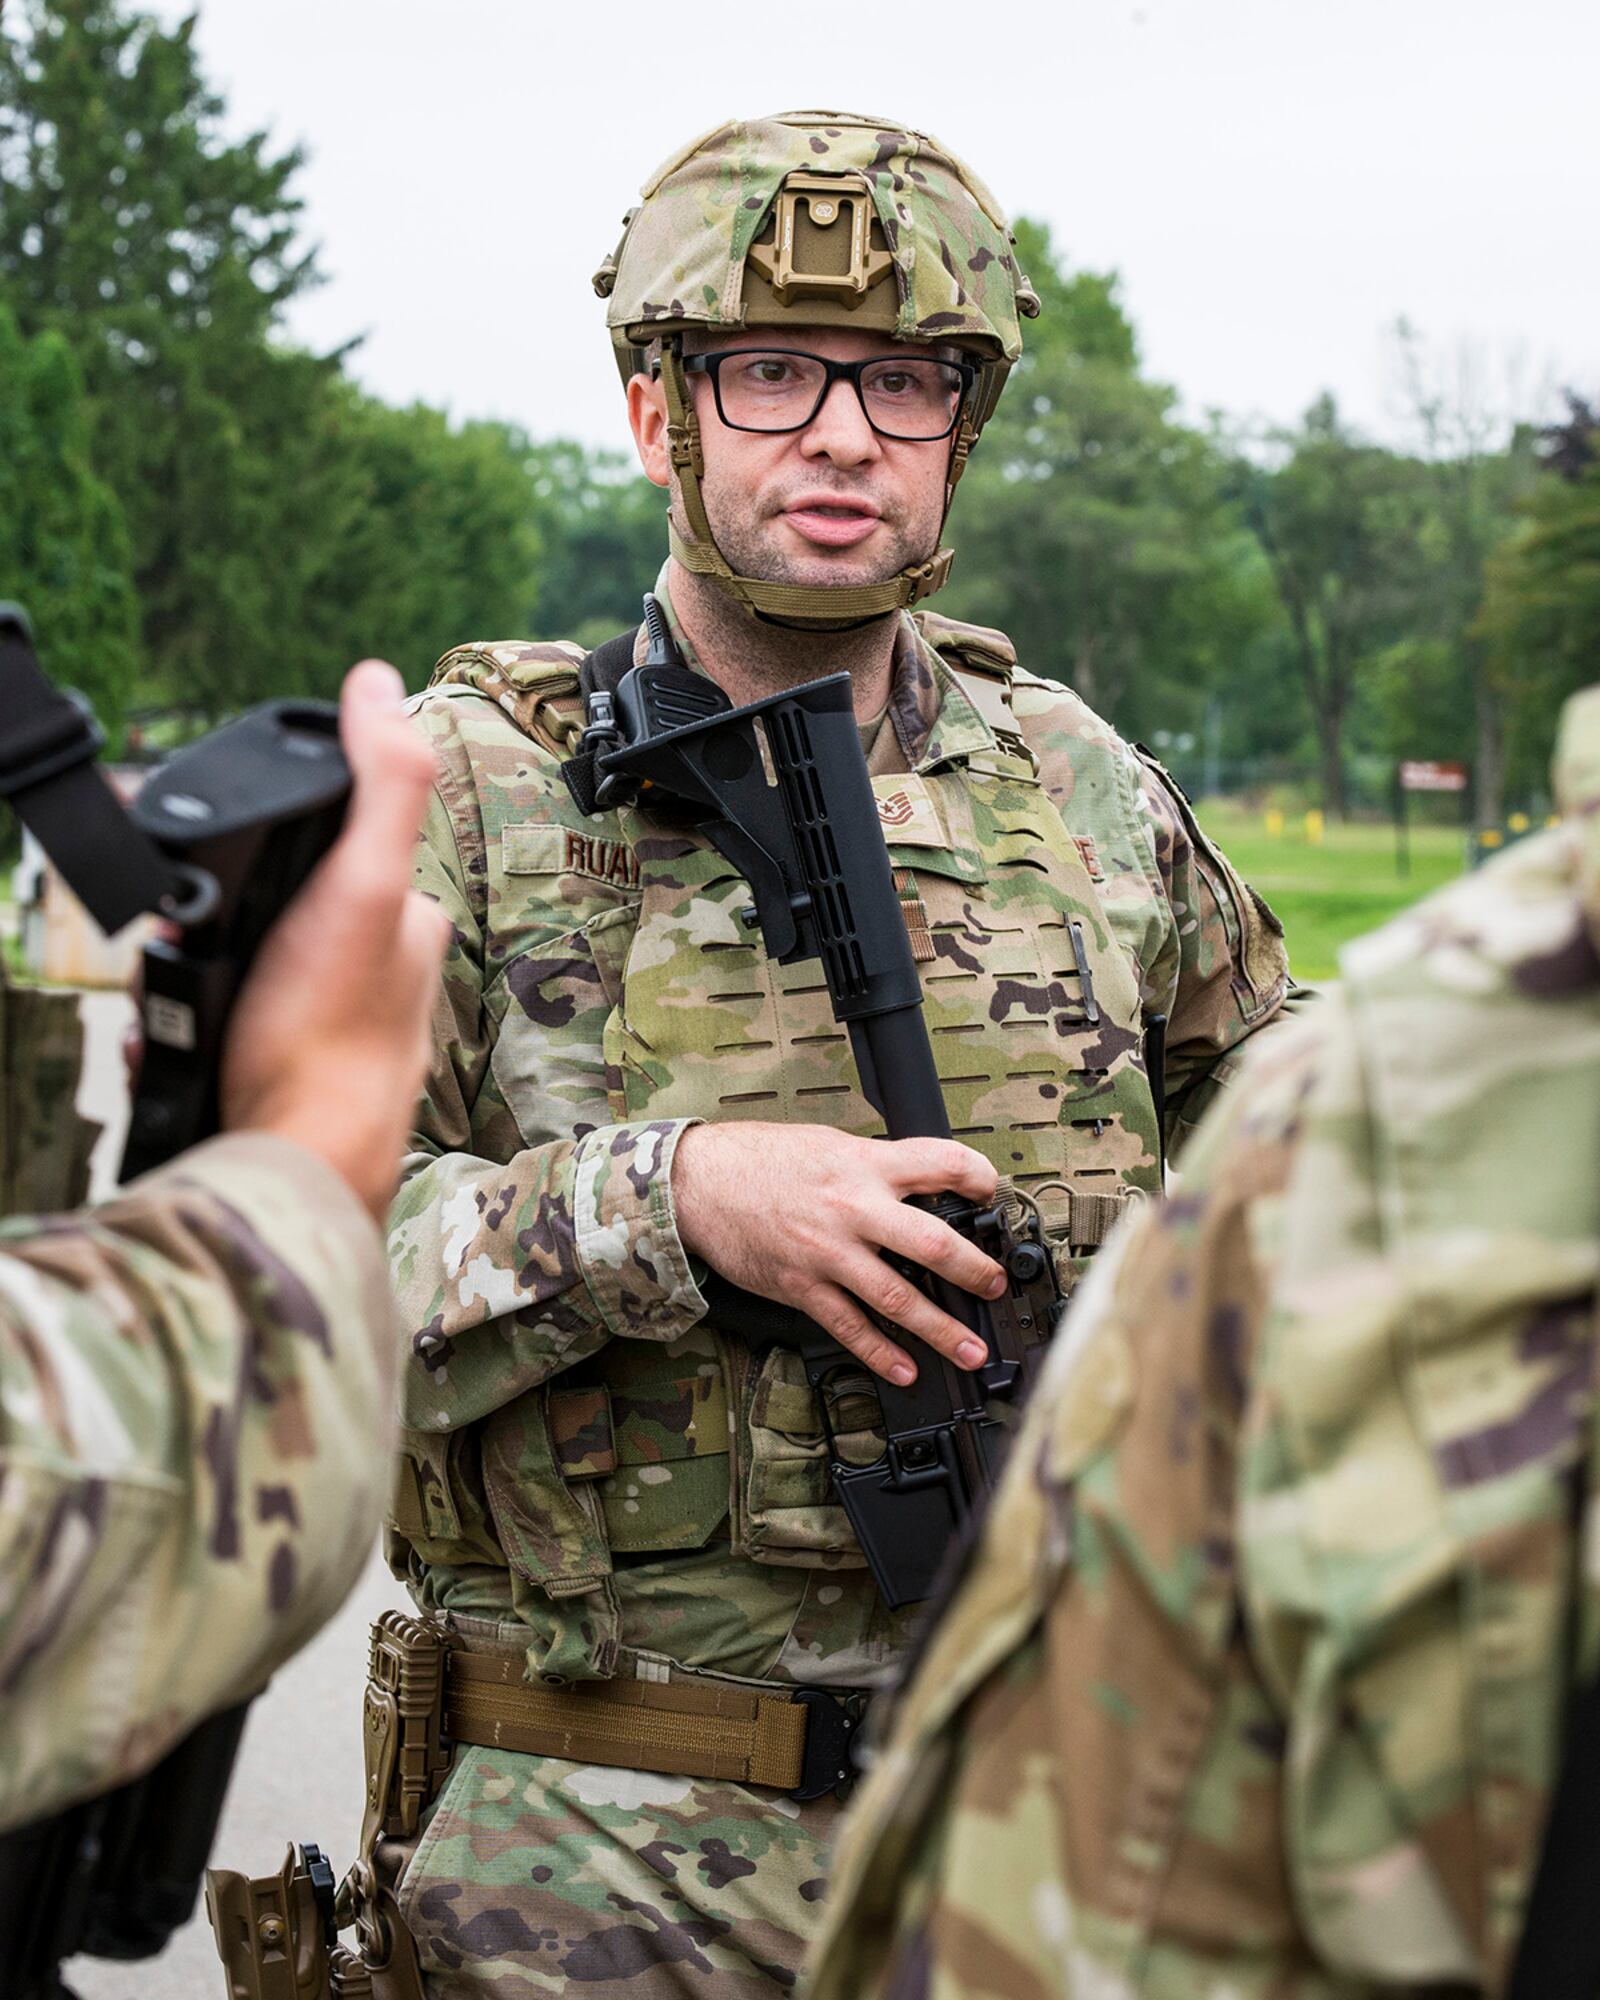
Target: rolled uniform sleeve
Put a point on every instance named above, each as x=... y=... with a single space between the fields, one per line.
x=633 y=1261
x=195 y=1386
x=521 y=1241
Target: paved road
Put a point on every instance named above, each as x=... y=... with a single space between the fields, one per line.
x=299 y=1773
x=298 y=1778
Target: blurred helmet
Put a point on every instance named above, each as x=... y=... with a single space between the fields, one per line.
x=814 y=219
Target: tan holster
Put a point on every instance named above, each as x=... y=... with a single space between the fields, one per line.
x=276 y=1934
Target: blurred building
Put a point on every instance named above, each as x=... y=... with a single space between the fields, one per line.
x=60 y=941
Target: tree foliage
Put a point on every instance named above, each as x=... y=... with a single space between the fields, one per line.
x=427 y=537
x=64 y=550
x=164 y=254
x=602 y=527
x=187 y=497
x=1540 y=622
x=1091 y=525
x=1477 y=464
x=1341 y=524
x=281 y=522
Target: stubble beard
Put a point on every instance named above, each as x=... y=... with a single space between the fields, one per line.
x=750 y=541
x=778 y=656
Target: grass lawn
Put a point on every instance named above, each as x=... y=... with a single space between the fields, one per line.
x=1330 y=892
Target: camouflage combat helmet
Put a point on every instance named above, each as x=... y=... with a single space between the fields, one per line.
x=814 y=218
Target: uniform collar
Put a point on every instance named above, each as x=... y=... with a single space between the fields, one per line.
x=933 y=720
x=932 y=716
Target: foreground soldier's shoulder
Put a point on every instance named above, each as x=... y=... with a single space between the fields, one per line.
x=500 y=717
x=1091 y=773
x=1039 y=705
x=1521 y=926
x=1524 y=926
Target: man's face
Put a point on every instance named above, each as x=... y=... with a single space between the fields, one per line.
x=832 y=504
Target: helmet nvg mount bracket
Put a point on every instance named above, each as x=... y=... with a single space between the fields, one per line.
x=814 y=218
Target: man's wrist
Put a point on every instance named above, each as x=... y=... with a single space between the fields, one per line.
x=371 y=1181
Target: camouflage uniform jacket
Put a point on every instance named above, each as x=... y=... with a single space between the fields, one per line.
x=620 y=1485
x=191 y=1453
x=1255 y=1684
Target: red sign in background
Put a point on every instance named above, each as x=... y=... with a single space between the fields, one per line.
x=1417 y=775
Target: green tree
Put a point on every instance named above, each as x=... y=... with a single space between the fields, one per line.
x=432 y=539
x=1478 y=466
x=164 y=253
x=1342 y=526
x=1079 y=311
x=63 y=543
x=1540 y=620
x=1091 y=525
x=602 y=526
x=425 y=535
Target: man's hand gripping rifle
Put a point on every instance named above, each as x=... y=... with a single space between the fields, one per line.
x=780 y=787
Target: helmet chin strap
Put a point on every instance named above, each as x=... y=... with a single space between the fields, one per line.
x=804 y=607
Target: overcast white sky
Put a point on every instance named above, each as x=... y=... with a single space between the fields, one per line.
x=1275 y=180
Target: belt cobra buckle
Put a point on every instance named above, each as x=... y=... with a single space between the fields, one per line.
x=828 y=1763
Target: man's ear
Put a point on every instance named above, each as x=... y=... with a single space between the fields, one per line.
x=647 y=415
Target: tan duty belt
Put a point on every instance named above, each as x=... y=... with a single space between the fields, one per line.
x=693 y=1729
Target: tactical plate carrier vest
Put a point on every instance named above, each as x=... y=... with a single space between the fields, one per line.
x=1032 y=1003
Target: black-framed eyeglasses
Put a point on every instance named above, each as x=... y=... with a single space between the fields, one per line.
x=913 y=398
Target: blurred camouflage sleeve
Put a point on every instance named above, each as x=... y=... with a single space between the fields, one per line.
x=194 y=1442
x=521 y=1241
x=1256 y=1684
x=1224 y=971
x=1080 y=1793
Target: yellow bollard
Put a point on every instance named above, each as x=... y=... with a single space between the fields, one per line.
x=1491 y=836
x=1517 y=823
x=1274 y=823
x=1314 y=827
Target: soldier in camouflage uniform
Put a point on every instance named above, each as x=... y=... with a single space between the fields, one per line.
x=612 y=1498
x=191 y=1456
x=1255 y=1684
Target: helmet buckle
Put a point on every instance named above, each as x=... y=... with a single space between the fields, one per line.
x=924 y=578
x=683 y=448
x=821 y=243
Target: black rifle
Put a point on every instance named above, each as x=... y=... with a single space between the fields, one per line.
x=781 y=788
x=219 y=840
